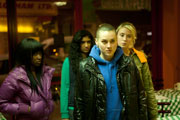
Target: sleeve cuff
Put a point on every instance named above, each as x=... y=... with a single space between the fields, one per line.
x=64 y=115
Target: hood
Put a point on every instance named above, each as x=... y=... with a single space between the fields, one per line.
x=95 y=53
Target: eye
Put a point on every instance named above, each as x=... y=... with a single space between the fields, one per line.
x=121 y=35
x=104 y=42
x=129 y=36
x=112 y=41
x=82 y=42
x=89 y=42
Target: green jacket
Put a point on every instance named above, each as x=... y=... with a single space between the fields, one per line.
x=143 y=67
x=65 y=83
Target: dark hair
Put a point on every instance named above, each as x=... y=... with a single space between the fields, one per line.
x=75 y=48
x=24 y=52
x=104 y=27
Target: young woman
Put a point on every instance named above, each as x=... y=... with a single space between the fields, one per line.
x=79 y=49
x=25 y=93
x=126 y=35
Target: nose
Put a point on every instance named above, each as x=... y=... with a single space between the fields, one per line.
x=39 y=56
x=87 y=44
x=108 y=44
x=125 y=38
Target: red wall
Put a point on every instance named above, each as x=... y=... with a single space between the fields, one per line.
x=171 y=42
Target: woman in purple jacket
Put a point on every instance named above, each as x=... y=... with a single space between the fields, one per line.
x=25 y=93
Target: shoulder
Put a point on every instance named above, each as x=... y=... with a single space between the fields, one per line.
x=87 y=63
x=66 y=61
x=17 y=73
x=124 y=59
x=140 y=55
x=48 y=69
x=88 y=60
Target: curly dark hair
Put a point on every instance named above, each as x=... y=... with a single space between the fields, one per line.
x=75 y=48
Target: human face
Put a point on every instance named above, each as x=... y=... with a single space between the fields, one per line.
x=37 y=59
x=107 y=43
x=85 y=45
x=125 y=38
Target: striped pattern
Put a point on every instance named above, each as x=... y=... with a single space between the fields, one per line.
x=174 y=98
x=170 y=93
x=177 y=117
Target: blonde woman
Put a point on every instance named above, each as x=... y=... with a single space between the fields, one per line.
x=126 y=35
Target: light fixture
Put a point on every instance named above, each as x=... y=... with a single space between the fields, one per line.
x=60 y=3
x=149 y=33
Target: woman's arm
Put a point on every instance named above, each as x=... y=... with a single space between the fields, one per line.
x=65 y=83
x=8 y=90
x=148 y=85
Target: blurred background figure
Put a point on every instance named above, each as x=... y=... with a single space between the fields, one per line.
x=26 y=93
x=127 y=35
x=57 y=41
x=79 y=49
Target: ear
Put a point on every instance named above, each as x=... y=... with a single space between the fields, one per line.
x=96 y=41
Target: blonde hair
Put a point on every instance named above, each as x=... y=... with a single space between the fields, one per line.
x=130 y=27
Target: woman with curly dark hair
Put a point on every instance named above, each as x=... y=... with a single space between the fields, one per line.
x=79 y=49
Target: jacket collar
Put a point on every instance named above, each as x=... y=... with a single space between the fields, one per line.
x=140 y=55
x=123 y=62
x=93 y=68
x=21 y=74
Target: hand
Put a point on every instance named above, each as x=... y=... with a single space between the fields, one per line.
x=47 y=42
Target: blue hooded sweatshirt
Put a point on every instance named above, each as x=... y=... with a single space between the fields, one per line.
x=108 y=70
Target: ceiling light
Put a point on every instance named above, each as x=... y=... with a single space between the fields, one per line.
x=60 y=3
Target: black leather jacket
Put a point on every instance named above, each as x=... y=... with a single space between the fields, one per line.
x=90 y=96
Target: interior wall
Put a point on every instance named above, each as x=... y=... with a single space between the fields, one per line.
x=170 y=42
x=178 y=67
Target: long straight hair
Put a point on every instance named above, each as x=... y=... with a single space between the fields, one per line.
x=24 y=52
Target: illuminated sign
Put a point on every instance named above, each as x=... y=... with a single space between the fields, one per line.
x=30 y=8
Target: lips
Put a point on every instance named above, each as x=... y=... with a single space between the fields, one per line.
x=123 y=44
x=87 y=48
x=108 y=51
x=38 y=61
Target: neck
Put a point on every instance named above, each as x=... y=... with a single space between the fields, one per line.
x=33 y=71
x=84 y=55
x=126 y=51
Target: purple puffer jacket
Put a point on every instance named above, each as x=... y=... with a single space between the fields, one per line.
x=16 y=96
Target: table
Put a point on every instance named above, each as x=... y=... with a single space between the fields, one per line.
x=172 y=96
x=170 y=93
x=176 y=117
